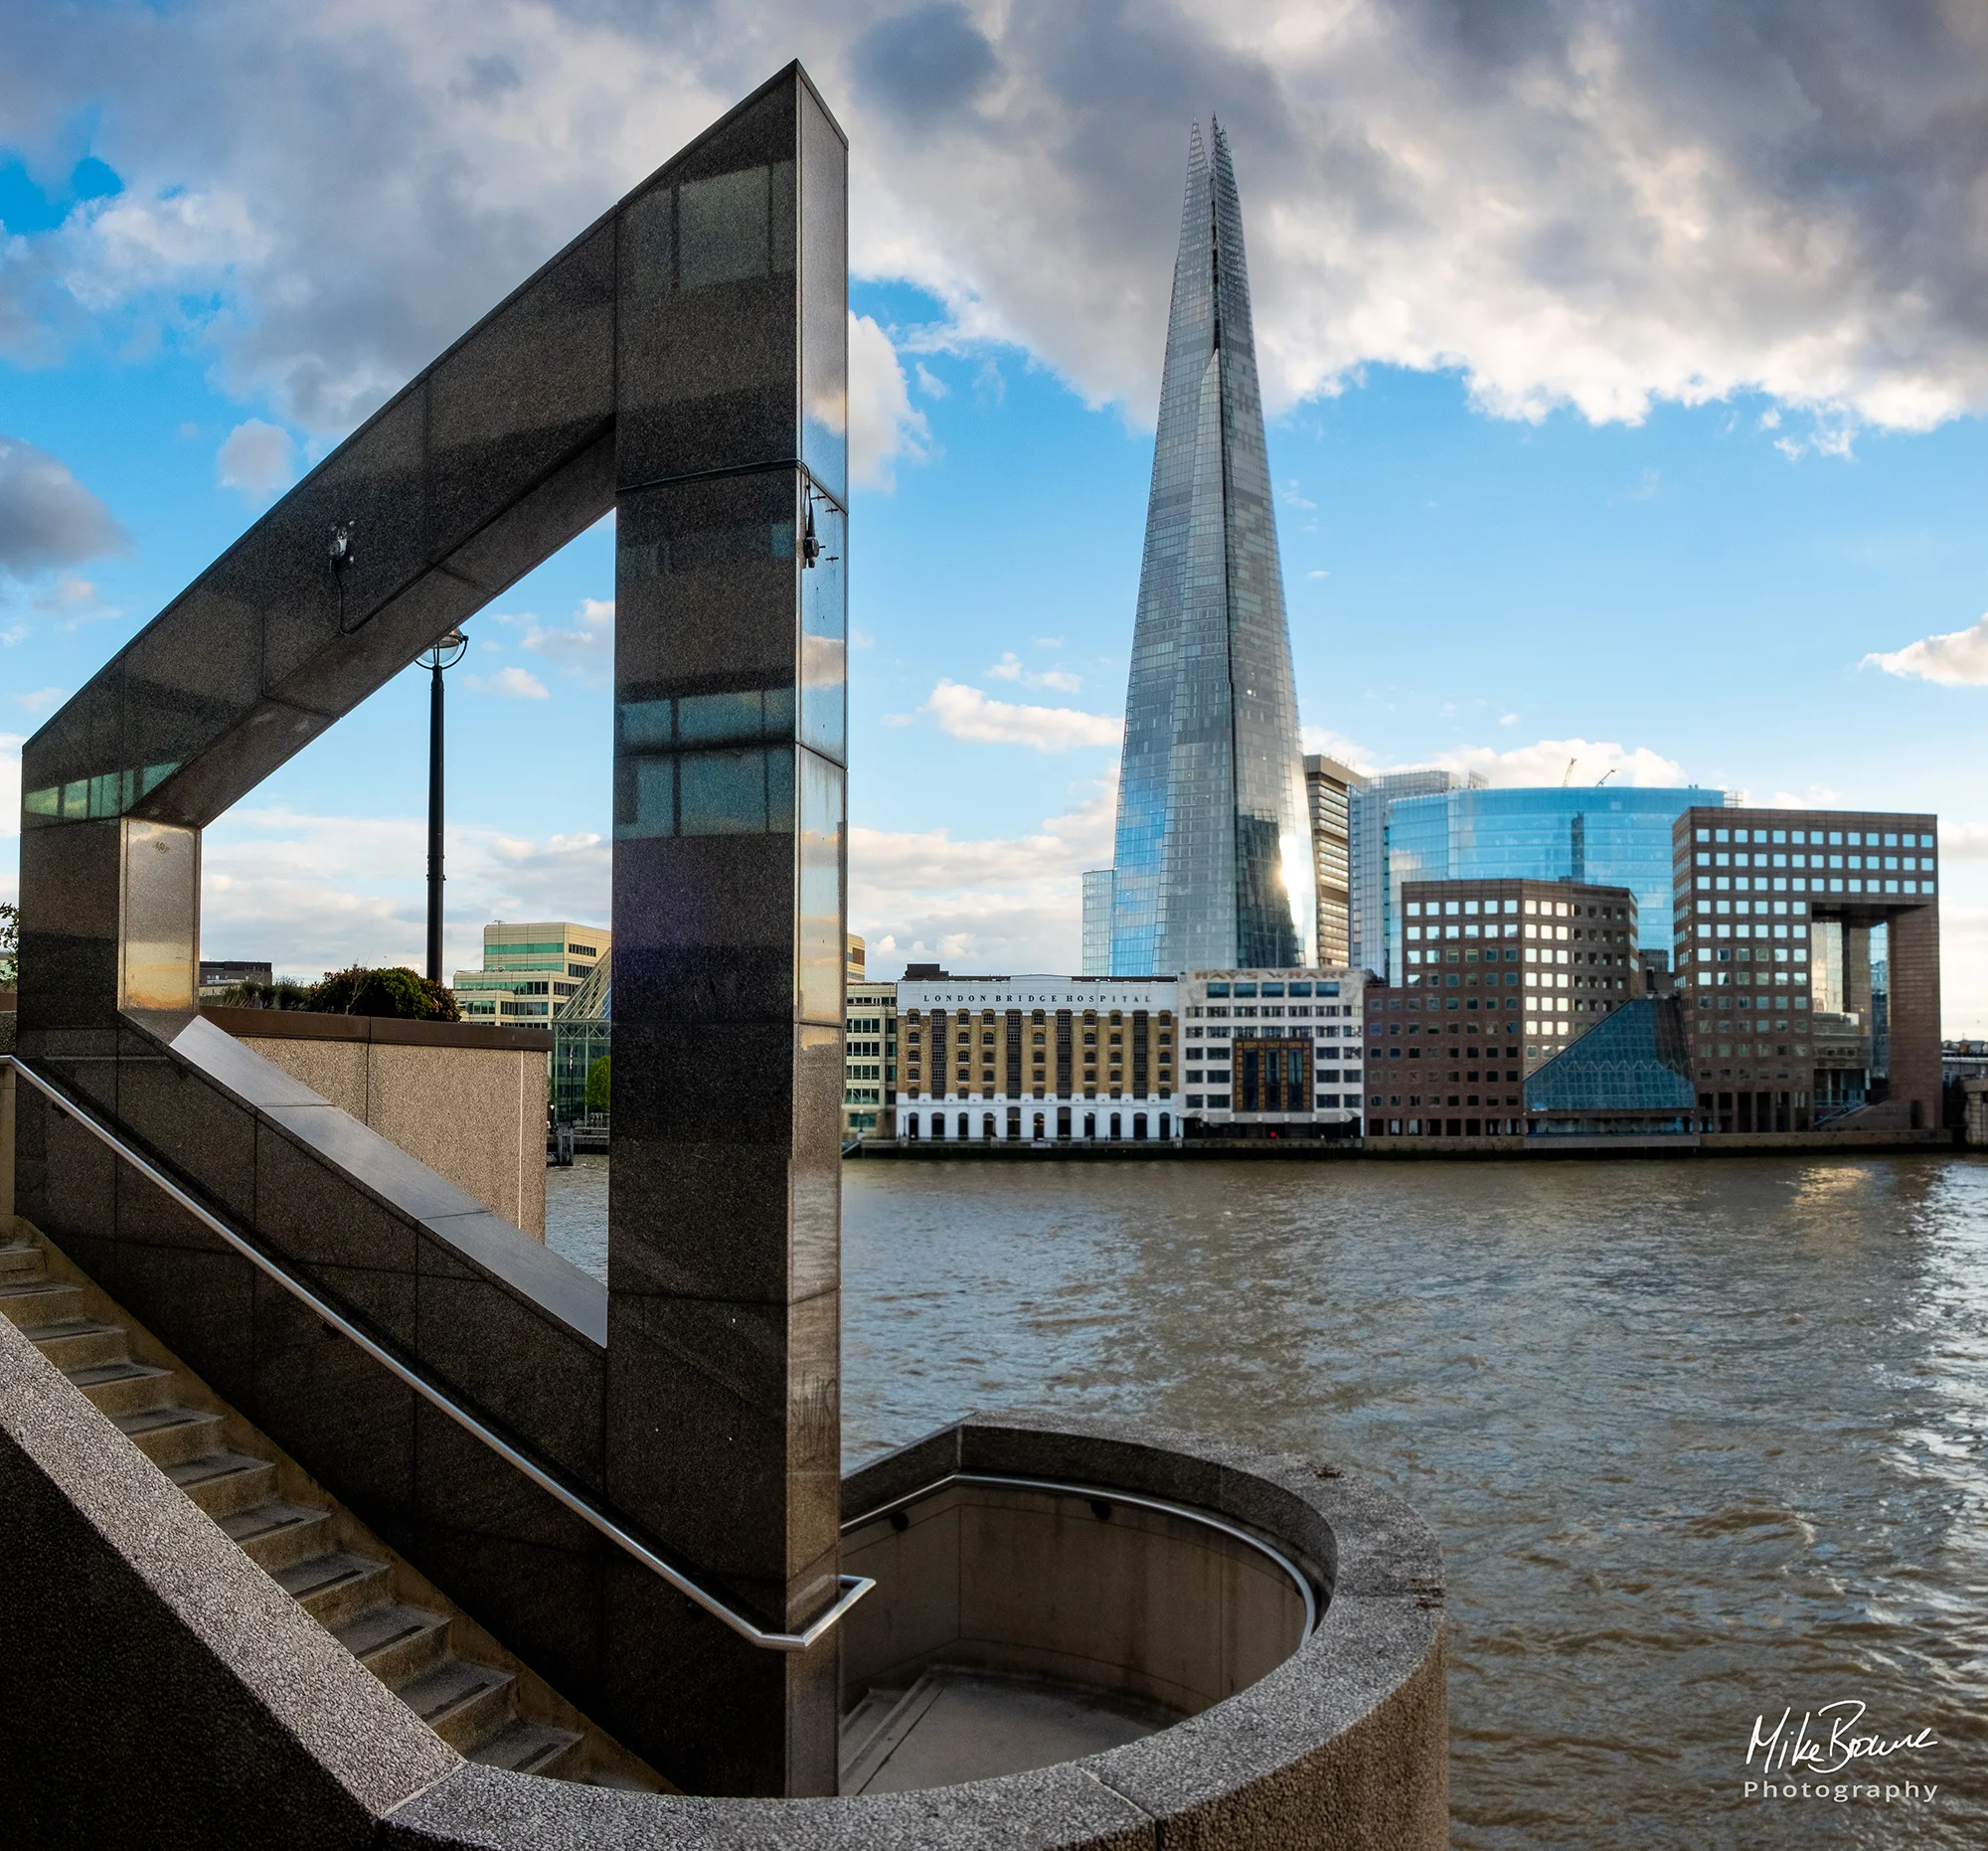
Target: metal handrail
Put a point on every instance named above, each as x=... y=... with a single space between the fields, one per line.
x=854 y=1587
x=1103 y=1494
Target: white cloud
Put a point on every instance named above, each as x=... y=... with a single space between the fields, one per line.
x=1579 y=760
x=316 y=892
x=257 y=458
x=968 y=714
x=992 y=904
x=1337 y=745
x=43 y=700
x=1009 y=668
x=1571 y=201
x=47 y=517
x=518 y=684
x=884 y=423
x=1508 y=720
x=1964 y=841
x=1957 y=659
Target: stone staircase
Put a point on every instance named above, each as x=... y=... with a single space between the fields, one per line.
x=486 y=1706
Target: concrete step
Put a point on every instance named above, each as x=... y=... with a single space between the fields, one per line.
x=124 y=1387
x=335 y=1588
x=275 y=1534
x=171 y=1436
x=225 y=1482
x=77 y=1342
x=396 y=1644
x=524 y=1747
x=39 y=1300
x=19 y=1256
x=463 y=1703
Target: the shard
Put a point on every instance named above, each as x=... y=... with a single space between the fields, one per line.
x=1214 y=853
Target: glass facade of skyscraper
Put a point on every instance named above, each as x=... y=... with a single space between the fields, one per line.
x=1599 y=837
x=1373 y=905
x=1213 y=860
x=1097 y=884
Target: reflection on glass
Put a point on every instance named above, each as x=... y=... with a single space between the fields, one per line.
x=736 y=226
x=824 y=634
x=161 y=911
x=824 y=299
x=822 y=943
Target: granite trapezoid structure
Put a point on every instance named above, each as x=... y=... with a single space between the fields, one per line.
x=1213 y=842
x=683 y=364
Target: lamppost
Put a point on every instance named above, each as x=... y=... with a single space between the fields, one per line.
x=445 y=654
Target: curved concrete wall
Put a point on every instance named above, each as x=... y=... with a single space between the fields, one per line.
x=1342 y=1743
x=1116 y=1597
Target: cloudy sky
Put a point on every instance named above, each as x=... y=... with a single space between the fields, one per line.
x=1625 y=366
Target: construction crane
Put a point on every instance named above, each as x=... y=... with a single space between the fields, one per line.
x=1567 y=776
x=1606 y=775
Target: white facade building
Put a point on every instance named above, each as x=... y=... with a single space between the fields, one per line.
x=1273 y=1053
x=1037 y=1058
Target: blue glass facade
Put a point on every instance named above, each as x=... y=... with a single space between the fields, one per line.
x=1214 y=845
x=1604 y=838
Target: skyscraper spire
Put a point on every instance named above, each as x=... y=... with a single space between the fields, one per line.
x=1213 y=858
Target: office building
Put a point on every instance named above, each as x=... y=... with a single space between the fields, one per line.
x=1807 y=958
x=582 y=1034
x=1371 y=900
x=529 y=971
x=1096 y=952
x=1499 y=977
x=1213 y=859
x=219 y=976
x=1570 y=952
x=1033 y=1057
x=1605 y=836
x=869 y=1047
x=1271 y=1053
x=1627 y=1080
x=1328 y=786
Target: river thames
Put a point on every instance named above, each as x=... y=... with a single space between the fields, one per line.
x=1702 y=1441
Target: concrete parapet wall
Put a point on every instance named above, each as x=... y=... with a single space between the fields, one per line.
x=160 y=1691
x=467 y=1102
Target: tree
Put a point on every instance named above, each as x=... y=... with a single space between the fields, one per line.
x=10 y=941
x=597 y=1085
x=396 y=991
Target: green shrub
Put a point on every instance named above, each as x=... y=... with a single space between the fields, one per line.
x=395 y=991
x=597 y=1085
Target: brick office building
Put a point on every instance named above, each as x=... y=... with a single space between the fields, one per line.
x=1796 y=1018
x=1036 y=1057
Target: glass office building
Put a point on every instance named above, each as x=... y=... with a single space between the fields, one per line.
x=1373 y=906
x=1213 y=860
x=1595 y=837
x=1098 y=886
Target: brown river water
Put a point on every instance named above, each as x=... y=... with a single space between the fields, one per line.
x=1702 y=1441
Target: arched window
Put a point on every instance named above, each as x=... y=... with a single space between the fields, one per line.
x=938 y=1127
x=965 y=1127
x=1116 y=1133
x=1039 y=1126
x=1090 y=1125
x=1166 y=1126
x=987 y=1127
x=1138 y=1127
x=912 y=1125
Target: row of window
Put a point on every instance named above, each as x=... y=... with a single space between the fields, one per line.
x=1912 y=864
x=1563 y=934
x=1544 y=908
x=1277 y=1012
x=1867 y=838
x=1322 y=1101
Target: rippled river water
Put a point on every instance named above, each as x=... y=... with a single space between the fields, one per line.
x=1702 y=1441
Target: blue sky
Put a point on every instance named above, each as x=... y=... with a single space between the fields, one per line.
x=1531 y=507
